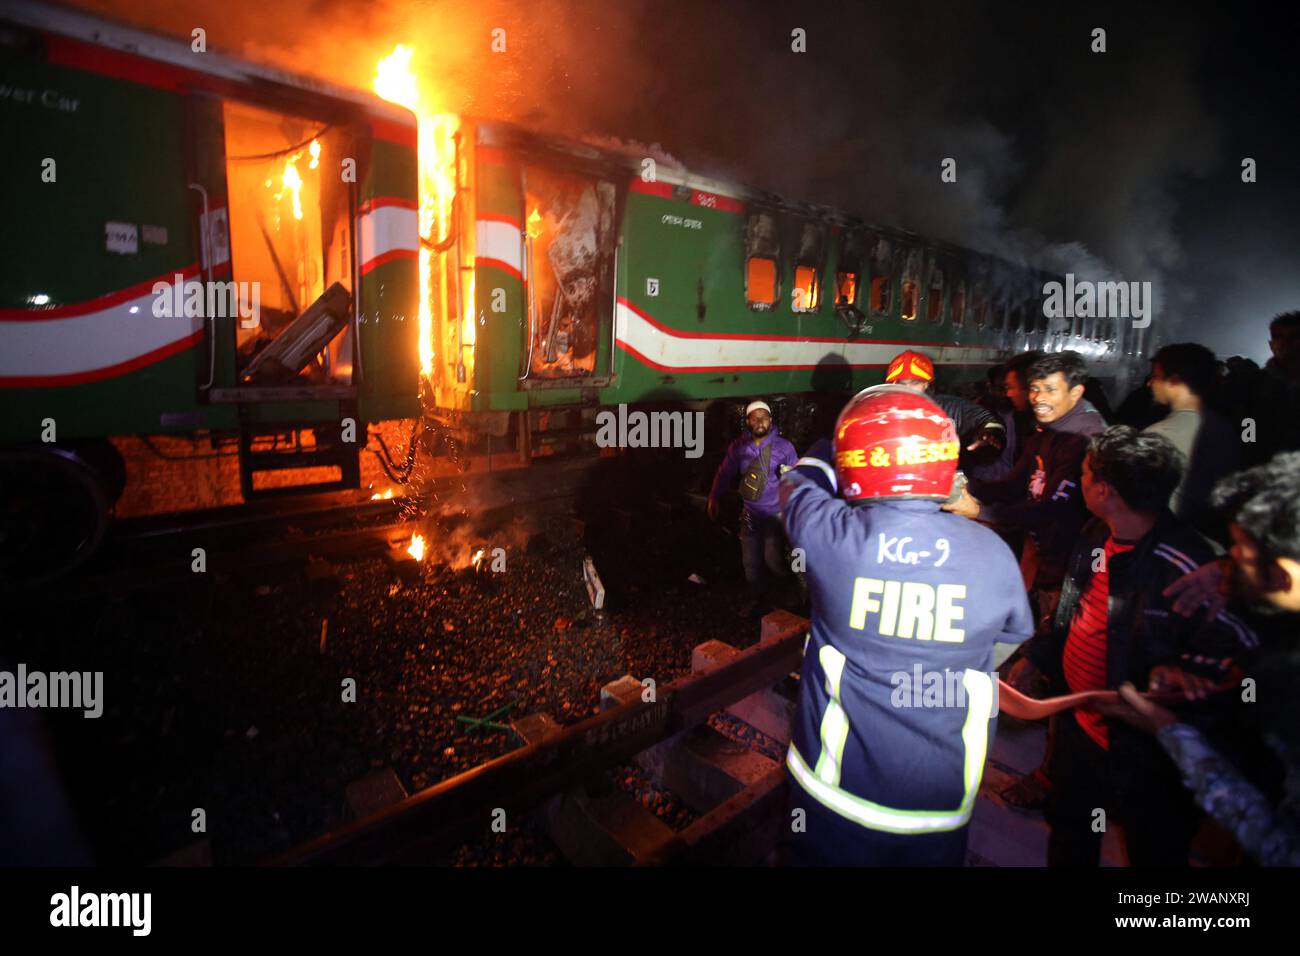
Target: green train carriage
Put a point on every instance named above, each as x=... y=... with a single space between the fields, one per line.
x=569 y=277
x=676 y=286
x=141 y=177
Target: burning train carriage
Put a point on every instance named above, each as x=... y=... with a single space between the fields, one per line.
x=494 y=280
x=595 y=284
x=197 y=246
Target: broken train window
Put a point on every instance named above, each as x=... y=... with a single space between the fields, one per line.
x=848 y=268
x=911 y=278
x=882 y=277
x=934 y=295
x=807 y=293
x=957 y=304
x=569 y=254
x=762 y=248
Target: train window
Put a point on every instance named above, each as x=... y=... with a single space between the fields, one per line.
x=909 y=298
x=911 y=292
x=881 y=294
x=848 y=269
x=1017 y=314
x=882 y=278
x=957 y=305
x=762 y=250
x=806 y=295
x=934 y=296
x=846 y=288
x=980 y=305
x=760 y=282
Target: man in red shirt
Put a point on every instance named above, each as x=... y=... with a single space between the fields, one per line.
x=1114 y=625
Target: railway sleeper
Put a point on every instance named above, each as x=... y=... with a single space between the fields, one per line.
x=738 y=791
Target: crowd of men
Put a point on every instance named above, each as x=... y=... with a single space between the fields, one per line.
x=1158 y=557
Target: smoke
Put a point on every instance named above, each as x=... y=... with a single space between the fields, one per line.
x=1067 y=159
x=466 y=527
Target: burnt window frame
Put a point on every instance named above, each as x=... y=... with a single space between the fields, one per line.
x=982 y=305
x=806 y=256
x=882 y=263
x=1019 y=311
x=935 y=264
x=756 y=247
x=850 y=249
x=909 y=256
x=960 y=287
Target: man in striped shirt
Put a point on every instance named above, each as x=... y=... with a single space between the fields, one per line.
x=1114 y=625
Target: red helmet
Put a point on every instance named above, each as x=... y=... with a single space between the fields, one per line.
x=910 y=366
x=892 y=442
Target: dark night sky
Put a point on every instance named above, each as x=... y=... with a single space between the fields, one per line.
x=1126 y=164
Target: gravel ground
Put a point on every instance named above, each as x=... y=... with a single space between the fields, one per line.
x=227 y=694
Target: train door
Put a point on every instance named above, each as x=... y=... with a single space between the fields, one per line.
x=569 y=262
x=276 y=250
x=291 y=242
x=278 y=271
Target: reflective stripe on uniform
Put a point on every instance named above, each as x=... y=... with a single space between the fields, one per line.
x=835 y=723
x=874 y=816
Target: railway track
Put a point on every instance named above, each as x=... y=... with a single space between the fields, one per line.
x=554 y=773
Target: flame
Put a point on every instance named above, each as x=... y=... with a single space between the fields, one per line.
x=534 y=224
x=394 y=80
x=384 y=497
x=397 y=82
x=292 y=181
x=314 y=149
x=416 y=550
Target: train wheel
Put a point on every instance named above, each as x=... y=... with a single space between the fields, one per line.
x=53 y=513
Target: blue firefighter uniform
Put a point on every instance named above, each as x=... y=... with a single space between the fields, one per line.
x=897 y=701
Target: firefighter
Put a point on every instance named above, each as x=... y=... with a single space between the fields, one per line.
x=982 y=433
x=897 y=700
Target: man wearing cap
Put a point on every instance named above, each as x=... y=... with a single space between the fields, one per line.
x=756 y=459
x=982 y=434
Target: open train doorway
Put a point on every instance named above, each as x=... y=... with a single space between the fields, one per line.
x=291 y=243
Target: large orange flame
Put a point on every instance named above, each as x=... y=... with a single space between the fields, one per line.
x=397 y=82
